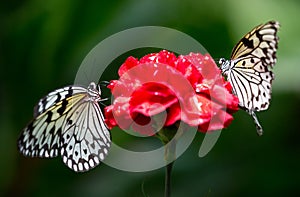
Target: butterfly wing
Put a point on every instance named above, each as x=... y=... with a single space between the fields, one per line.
x=250 y=75
x=56 y=96
x=67 y=122
x=251 y=83
x=261 y=42
x=86 y=140
x=248 y=70
x=42 y=136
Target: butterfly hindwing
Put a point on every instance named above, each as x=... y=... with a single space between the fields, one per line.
x=82 y=148
x=252 y=83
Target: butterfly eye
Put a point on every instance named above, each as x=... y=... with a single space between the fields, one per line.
x=92 y=86
x=224 y=65
x=222 y=61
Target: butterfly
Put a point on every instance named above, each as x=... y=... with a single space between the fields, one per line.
x=68 y=122
x=249 y=69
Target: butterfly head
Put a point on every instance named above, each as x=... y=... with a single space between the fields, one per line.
x=94 y=91
x=225 y=65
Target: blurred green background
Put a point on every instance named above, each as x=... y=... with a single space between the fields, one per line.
x=42 y=44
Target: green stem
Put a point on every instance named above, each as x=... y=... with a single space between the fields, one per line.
x=168 y=179
x=166 y=135
x=170 y=156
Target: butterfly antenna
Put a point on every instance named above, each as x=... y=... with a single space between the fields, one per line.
x=104 y=83
x=259 y=129
x=216 y=60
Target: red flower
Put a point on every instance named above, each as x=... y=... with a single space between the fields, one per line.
x=161 y=89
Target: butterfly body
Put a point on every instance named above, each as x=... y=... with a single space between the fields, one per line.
x=249 y=68
x=68 y=122
x=226 y=65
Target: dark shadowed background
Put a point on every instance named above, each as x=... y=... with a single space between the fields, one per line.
x=42 y=44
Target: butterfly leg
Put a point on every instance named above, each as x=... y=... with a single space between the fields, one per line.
x=259 y=129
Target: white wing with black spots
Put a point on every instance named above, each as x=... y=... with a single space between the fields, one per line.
x=56 y=96
x=81 y=148
x=68 y=122
x=249 y=68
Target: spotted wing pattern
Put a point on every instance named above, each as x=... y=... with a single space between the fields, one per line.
x=68 y=122
x=249 y=69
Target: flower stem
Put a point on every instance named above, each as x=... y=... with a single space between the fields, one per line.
x=168 y=179
x=166 y=136
x=170 y=156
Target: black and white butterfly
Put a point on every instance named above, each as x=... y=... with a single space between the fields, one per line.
x=248 y=69
x=68 y=122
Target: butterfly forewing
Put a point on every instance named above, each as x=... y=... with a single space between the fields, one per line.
x=68 y=122
x=261 y=42
x=43 y=135
x=56 y=96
